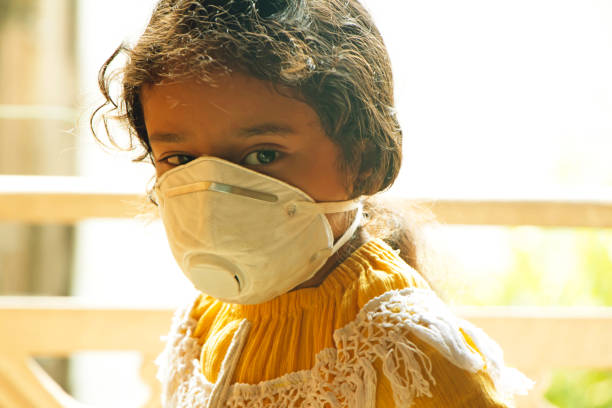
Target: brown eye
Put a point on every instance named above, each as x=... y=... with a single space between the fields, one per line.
x=178 y=159
x=261 y=157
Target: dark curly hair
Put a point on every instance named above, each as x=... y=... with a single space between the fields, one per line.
x=328 y=52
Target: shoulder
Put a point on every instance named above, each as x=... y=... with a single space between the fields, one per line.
x=424 y=351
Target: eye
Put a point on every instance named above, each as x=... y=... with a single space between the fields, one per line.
x=178 y=159
x=260 y=157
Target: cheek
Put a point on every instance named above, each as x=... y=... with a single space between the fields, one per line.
x=326 y=180
x=320 y=179
x=331 y=184
x=332 y=180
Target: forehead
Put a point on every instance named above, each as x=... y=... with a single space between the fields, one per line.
x=229 y=98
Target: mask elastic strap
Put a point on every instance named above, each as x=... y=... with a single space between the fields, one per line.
x=329 y=207
x=350 y=230
x=332 y=207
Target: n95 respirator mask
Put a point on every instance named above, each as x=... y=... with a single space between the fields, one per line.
x=244 y=237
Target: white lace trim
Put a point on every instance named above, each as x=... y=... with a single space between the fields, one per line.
x=345 y=376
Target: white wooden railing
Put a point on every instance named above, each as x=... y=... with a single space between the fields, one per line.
x=59 y=327
x=535 y=340
x=70 y=199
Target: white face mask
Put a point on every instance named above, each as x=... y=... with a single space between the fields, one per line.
x=244 y=237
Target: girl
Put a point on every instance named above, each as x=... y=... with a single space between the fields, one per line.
x=271 y=125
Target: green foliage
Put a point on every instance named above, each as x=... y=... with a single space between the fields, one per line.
x=546 y=267
x=581 y=389
x=559 y=267
x=565 y=267
x=596 y=250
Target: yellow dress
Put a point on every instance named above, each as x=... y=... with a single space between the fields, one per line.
x=373 y=334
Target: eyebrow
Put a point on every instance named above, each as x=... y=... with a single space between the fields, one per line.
x=167 y=137
x=265 y=128
x=246 y=132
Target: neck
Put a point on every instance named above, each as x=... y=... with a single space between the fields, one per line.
x=336 y=259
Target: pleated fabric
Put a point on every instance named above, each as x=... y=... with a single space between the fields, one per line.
x=289 y=331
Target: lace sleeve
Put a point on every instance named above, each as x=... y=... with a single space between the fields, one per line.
x=426 y=356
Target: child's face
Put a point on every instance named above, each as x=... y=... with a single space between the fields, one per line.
x=243 y=120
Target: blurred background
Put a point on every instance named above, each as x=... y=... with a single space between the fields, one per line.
x=497 y=100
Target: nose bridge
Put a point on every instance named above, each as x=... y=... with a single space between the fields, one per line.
x=218 y=145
